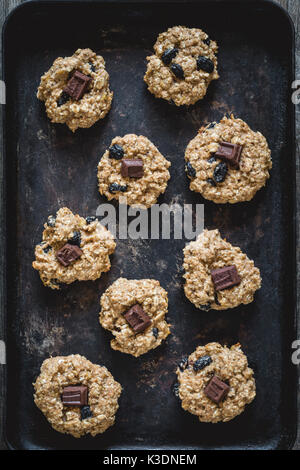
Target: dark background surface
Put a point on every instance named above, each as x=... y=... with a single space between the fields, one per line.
x=42 y=322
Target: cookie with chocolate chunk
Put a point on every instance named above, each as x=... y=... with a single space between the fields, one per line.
x=72 y=249
x=183 y=65
x=134 y=311
x=218 y=275
x=134 y=169
x=76 y=396
x=76 y=90
x=216 y=383
x=227 y=161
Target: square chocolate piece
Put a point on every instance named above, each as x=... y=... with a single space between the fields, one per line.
x=137 y=318
x=132 y=168
x=75 y=395
x=77 y=85
x=226 y=277
x=68 y=253
x=231 y=153
x=216 y=390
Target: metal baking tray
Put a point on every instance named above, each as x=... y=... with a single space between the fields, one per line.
x=48 y=167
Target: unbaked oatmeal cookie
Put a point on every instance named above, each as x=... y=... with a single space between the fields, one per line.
x=133 y=168
x=134 y=311
x=76 y=90
x=73 y=249
x=227 y=161
x=183 y=65
x=218 y=275
x=215 y=383
x=76 y=396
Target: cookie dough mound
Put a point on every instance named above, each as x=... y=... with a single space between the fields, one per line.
x=230 y=365
x=183 y=66
x=93 y=105
x=103 y=394
x=210 y=252
x=235 y=184
x=139 y=192
x=118 y=299
x=94 y=240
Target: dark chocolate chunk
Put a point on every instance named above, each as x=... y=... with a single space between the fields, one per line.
x=205 y=64
x=86 y=412
x=205 y=307
x=220 y=172
x=75 y=395
x=77 y=85
x=115 y=187
x=183 y=363
x=68 y=253
x=132 y=168
x=216 y=389
x=177 y=70
x=90 y=219
x=229 y=152
x=47 y=249
x=211 y=181
x=169 y=55
x=155 y=332
x=92 y=67
x=51 y=221
x=225 y=277
x=175 y=389
x=116 y=152
x=212 y=159
x=190 y=170
x=206 y=41
x=63 y=99
x=204 y=361
x=76 y=239
x=137 y=318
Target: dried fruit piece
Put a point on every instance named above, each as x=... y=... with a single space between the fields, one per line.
x=220 y=172
x=211 y=181
x=177 y=70
x=211 y=125
x=47 y=249
x=155 y=332
x=205 y=64
x=212 y=159
x=92 y=67
x=183 y=363
x=76 y=239
x=116 y=152
x=115 y=187
x=206 y=41
x=86 y=412
x=201 y=363
x=190 y=170
x=90 y=219
x=175 y=389
x=205 y=308
x=169 y=55
x=51 y=221
x=63 y=99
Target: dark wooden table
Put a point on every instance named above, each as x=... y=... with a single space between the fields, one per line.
x=293 y=7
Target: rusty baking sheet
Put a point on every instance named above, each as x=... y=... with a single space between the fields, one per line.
x=48 y=167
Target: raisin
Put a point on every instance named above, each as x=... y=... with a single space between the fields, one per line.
x=175 y=389
x=212 y=159
x=205 y=308
x=47 y=249
x=201 y=363
x=115 y=187
x=177 y=70
x=63 y=99
x=211 y=125
x=169 y=55
x=211 y=181
x=86 y=412
x=155 y=332
x=205 y=64
x=190 y=170
x=220 y=172
x=92 y=67
x=206 y=41
x=116 y=152
x=51 y=221
x=76 y=239
x=183 y=363
x=90 y=219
